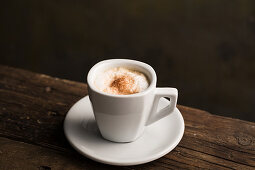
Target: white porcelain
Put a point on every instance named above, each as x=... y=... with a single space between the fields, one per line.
x=123 y=118
x=158 y=139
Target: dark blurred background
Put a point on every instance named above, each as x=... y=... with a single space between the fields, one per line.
x=205 y=48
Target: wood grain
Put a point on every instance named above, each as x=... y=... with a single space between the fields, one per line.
x=20 y=155
x=33 y=107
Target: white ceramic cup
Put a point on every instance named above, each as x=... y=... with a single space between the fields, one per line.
x=123 y=118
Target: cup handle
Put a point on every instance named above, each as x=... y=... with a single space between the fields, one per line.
x=171 y=93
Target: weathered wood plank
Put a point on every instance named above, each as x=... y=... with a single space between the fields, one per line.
x=33 y=107
x=41 y=86
x=20 y=155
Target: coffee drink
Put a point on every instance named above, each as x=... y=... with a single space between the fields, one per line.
x=125 y=99
x=121 y=81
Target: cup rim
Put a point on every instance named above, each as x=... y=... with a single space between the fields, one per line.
x=135 y=62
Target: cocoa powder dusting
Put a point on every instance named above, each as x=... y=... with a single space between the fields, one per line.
x=123 y=85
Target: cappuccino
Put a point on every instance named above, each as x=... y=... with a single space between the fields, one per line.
x=121 y=81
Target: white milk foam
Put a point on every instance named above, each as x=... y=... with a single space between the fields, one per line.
x=121 y=81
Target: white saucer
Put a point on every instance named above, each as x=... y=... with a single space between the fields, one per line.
x=158 y=139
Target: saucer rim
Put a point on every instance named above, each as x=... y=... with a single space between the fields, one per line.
x=121 y=162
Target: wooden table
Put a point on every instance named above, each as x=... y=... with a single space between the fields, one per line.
x=33 y=107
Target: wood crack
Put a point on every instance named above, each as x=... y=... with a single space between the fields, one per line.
x=218 y=157
x=178 y=162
